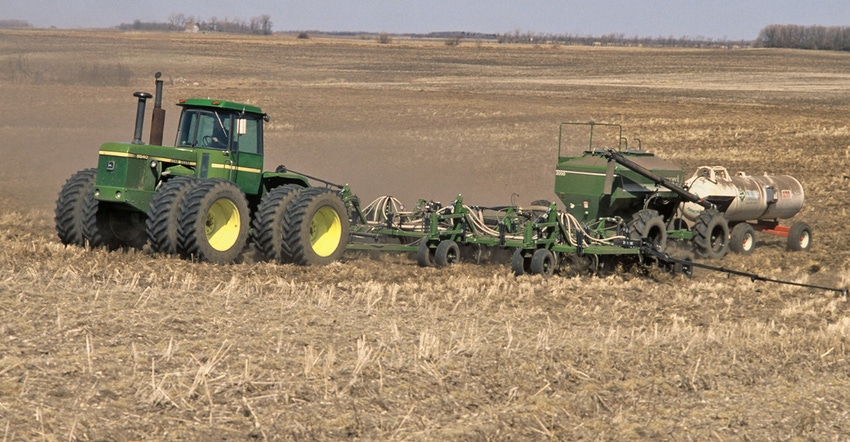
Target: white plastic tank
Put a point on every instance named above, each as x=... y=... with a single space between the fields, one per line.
x=763 y=197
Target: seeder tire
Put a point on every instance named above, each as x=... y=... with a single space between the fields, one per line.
x=543 y=262
x=799 y=237
x=162 y=225
x=69 y=207
x=447 y=253
x=647 y=223
x=425 y=255
x=711 y=234
x=213 y=222
x=742 y=240
x=268 y=223
x=316 y=228
x=519 y=264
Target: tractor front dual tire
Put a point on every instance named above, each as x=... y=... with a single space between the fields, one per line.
x=316 y=227
x=69 y=207
x=161 y=225
x=109 y=226
x=213 y=222
x=268 y=224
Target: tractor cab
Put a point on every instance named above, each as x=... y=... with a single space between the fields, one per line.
x=221 y=125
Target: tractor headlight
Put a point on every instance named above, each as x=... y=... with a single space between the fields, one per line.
x=153 y=164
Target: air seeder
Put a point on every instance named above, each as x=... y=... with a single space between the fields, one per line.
x=207 y=197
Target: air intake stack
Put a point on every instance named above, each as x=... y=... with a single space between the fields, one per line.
x=140 y=116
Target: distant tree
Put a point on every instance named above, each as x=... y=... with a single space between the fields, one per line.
x=12 y=23
x=833 y=38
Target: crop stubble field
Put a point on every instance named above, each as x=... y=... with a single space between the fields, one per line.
x=128 y=346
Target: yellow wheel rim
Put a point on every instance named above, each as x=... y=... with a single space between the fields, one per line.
x=223 y=224
x=325 y=231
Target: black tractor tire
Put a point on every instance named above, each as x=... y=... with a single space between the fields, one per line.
x=519 y=264
x=742 y=239
x=425 y=255
x=447 y=253
x=69 y=207
x=711 y=234
x=107 y=225
x=213 y=222
x=316 y=227
x=647 y=223
x=161 y=225
x=799 y=237
x=543 y=262
x=268 y=223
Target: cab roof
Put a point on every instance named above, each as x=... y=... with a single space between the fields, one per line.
x=220 y=104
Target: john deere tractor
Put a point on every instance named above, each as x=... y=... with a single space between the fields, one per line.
x=199 y=198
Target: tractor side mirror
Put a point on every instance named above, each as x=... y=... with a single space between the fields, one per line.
x=241 y=126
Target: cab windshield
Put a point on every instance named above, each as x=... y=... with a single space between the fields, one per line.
x=210 y=129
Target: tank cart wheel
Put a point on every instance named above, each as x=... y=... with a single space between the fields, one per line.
x=799 y=237
x=711 y=234
x=268 y=223
x=543 y=262
x=316 y=229
x=647 y=223
x=69 y=207
x=742 y=239
x=161 y=225
x=425 y=255
x=447 y=253
x=519 y=263
x=213 y=222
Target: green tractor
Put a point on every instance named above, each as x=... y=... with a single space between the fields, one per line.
x=204 y=198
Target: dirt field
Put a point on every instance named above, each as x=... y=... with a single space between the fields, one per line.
x=126 y=346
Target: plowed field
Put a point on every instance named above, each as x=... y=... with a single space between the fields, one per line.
x=98 y=345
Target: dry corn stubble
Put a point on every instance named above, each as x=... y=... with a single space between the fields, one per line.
x=130 y=346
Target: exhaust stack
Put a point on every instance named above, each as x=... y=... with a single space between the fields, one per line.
x=158 y=115
x=140 y=116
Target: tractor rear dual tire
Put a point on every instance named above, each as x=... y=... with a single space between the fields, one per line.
x=268 y=224
x=213 y=222
x=316 y=228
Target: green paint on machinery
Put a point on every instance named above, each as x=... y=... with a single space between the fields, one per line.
x=203 y=197
x=207 y=196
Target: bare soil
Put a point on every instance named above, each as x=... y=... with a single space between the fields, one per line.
x=126 y=346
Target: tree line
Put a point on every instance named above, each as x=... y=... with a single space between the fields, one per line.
x=260 y=25
x=619 y=39
x=831 y=38
x=12 y=23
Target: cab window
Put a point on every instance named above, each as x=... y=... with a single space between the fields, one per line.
x=200 y=128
